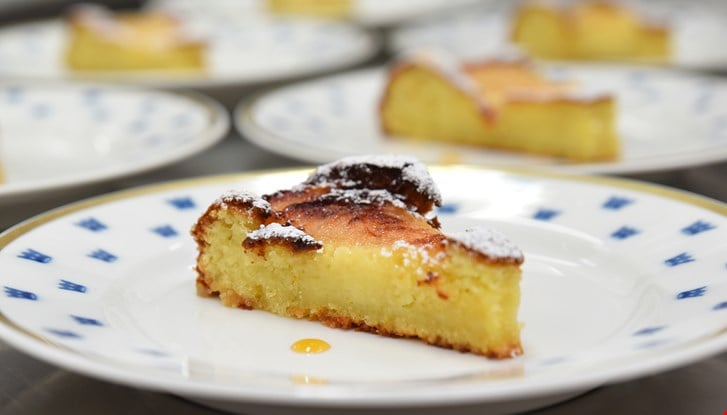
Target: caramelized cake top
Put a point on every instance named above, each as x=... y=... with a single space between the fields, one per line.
x=405 y=178
x=384 y=201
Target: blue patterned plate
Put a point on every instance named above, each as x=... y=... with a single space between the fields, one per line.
x=620 y=280
x=665 y=120
x=241 y=52
x=57 y=135
x=697 y=30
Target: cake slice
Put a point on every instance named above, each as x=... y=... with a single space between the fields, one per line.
x=102 y=41
x=357 y=245
x=599 y=30
x=502 y=104
x=332 y=9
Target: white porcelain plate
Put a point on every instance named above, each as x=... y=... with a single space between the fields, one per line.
x=665 y=120
x=56 y=135
x=697 y=31
x=241 y=52
x=610 y=291
x=364 y=12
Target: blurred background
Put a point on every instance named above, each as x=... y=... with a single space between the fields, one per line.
x=291 y=85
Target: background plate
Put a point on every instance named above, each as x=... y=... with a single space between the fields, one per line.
x=610 y=292
x=241 y=52
x=697 y=30
x=365 y=12
x=325 y=119
x=58 y=135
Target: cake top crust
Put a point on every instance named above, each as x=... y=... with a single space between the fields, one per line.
x=373 y=200
x=489 y=242
x=406 y=178
x=466 y=76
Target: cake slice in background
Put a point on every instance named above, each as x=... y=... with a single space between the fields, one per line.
x=100 y=40
x=596 y=30
x=503 y=104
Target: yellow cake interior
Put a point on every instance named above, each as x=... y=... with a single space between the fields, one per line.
x=503 y=105
x=377 y=268
x=597 y=29
x=99 y=40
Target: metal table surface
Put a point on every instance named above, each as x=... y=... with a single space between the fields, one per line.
x=28 y=386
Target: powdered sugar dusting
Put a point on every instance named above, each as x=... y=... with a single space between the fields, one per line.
x=412 y=170
x=489 y=242
x=278 y=231
x=364 y=197
x=243 y=196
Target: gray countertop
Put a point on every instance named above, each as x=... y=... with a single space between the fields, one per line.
x=28 y=386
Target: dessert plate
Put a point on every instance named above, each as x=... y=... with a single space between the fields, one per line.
x=610 y=292
x=241 y=52
x=58 y=135
x=364 y=12
x=665 y=120
x=695 y=41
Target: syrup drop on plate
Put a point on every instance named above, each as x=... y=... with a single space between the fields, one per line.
x=310 y=346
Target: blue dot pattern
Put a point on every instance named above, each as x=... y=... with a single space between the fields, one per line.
x=697 y=228
x=616 y=203
x=448 y=209
x=648 y=330
x=72 y=286
x=92 y=224
x=696 y=292
x=624 y=232
x=36 y=256
x=165 y=231
x=182 y=203
x=545 y=214
x=679 y=259
x=68 y=334
x=103 y=255
x=720 y=306
x=86 y=321
x=20 y=294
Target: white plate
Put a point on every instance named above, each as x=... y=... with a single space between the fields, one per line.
x=241 y=52
x=665 y=120
x=365 y=12
x=696 y=41
x=610 y=292
x=57 y=135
